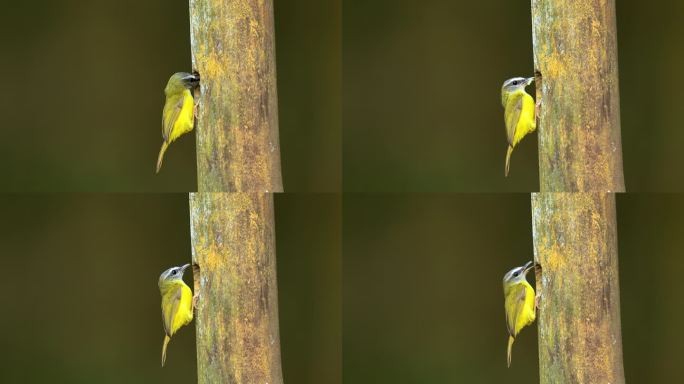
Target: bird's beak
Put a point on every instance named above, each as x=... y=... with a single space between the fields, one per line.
x=183 y=268
x=528 y=266
x=529 y=80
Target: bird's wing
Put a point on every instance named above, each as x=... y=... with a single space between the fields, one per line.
x=513 y=116
x=514 y=307
x=171 y=304
x=172 y=109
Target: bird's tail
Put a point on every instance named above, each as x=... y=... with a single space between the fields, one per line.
x=161 y=155
x=166 y=343
x=508 y=158
x=510 y=349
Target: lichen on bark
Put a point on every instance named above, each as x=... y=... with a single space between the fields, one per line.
x=576 y=67
x=575 y=243
x=233 y=249
x=233 y=49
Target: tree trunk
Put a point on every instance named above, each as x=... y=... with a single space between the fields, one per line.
x=575 y=244
x=233 y=49
x=576 y=71
x=234 y=270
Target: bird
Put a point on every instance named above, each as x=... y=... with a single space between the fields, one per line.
x=519 y=113
x=178 y=117
x=519 y=302
x=176 y=303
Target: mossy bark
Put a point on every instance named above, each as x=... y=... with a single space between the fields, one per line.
x=575 y=243
x=233 y=49
x=576 y=71
x=233 y=252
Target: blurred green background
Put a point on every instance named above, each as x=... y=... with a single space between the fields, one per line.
x=421 y=94
x=80 y=301
x=422 y=295
x=84 y=88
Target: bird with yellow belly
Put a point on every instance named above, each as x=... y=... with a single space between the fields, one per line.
x=519 y=302
x=519 y=113
x=178 y=117
x=177 y=303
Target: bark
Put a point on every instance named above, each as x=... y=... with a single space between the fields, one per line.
x=575 y=244
x=234 y=269
x=233 y=49
x=576 y=71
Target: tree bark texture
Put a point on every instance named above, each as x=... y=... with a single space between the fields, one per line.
x=576 y=77
x=234 y=269
x=575 y=245
x=233 y=49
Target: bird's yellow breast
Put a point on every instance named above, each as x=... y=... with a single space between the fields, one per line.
x=183 y=314
x=527 y=311
x=186 y=117
x=526 y=122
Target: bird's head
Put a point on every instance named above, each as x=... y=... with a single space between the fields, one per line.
x=181 y=81
x=514 y=85
x=517 y=274
x=173 y=273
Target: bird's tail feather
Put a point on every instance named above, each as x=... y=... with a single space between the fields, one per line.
x=161 y=155
x=508 y=158
x=166 y=343
x=510 y=349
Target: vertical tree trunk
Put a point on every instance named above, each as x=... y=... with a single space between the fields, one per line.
x=238 y=155
x=234 y=269
x=575 y=234
x=576 y=68
x=233 y=49
x=575 y=243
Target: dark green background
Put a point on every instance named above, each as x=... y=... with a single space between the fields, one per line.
x=422 y=106
x=84 y=80
x=80 y=301
x=83 y=93
x=423 y=301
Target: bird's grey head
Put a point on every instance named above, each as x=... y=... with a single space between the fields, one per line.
x=190 y=80
x=173 y=273
x=182 y=79
x=516 y=83
x=517 y=274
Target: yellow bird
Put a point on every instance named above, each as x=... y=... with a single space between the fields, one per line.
x=519 y=302
x=177 y=303
x=518 y=112
x=178 y=117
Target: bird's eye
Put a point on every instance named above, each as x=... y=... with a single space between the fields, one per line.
x=174 y=272
x=515 y=274
x=515 y=82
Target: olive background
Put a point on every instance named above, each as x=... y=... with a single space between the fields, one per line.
x=416 y=85
x=419 y=101
x=423 y=298
x=422 y=106
x=80 y=301
x=84 y=90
